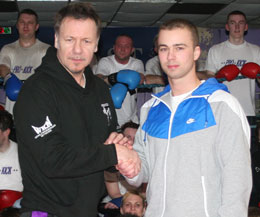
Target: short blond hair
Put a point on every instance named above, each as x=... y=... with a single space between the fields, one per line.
x=134 y=192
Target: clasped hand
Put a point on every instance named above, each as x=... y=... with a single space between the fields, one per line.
x=129 y=163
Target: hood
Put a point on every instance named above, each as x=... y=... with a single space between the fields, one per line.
x=52 y=66
x=206 y=88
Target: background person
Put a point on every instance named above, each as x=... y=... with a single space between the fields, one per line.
x=11 y=186
x=121 y=60
x=133 y=202
x=23 y=56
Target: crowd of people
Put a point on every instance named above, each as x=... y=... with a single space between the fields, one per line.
x=81 y=147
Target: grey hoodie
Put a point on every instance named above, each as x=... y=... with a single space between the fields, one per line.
x=196 y=160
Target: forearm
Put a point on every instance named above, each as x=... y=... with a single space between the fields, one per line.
x=4 y=70
x=154 y=79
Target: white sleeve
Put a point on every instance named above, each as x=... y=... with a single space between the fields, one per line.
x=103 y=67
x=139 y=147
x=210 y=62
x=4 y=57
x=139 y=66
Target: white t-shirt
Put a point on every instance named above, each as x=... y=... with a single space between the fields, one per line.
x=22 y=61
x=153 y=67
x=10 y=172
x=109 y=65
x=226 y=53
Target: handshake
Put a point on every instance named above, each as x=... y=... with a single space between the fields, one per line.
x=230 y=72
x=129 y=163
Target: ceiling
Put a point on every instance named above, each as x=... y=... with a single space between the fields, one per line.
x=140 y=13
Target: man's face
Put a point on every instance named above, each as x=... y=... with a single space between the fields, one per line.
x=27 y=26
x=3 y=137
x=130 y=133
x=123 y=48
x=76 y=43
x=236 y=26
x=133 y=204
x=177 y=53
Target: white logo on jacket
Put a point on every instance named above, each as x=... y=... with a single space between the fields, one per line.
x=44 y=129
x=190 y=121
x=107 y=112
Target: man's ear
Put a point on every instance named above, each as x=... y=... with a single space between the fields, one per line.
x=227 y=27
x=7 y=132
x=56 y=43
x=37 y=27
x=133 y=50
x=96 y=48
x=197 y=52
x=246 y=27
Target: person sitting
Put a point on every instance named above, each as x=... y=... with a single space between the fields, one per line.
x=133 y=202
x=11 y=186
x=120 y=61
x=116 y=184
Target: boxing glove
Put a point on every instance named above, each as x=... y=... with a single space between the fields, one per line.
x=250 y=70
x=125 y=76
x=12 y=86
x=118 y=93
x=8 y=198
x=229 y=72
x=117 y=201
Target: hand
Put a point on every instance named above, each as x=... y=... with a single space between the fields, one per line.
x=129 y=163
x=119 y=138
x=110 y=205
x=142 y=78
x=4 y=70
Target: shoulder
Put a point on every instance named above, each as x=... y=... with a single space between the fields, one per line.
x=152 y=60
x=40 y=43
x=225 y=97
x=253 y=46
x=13 y=144
x=135 y=60
x=104 y=60
x=9 y=47
x=218 y=46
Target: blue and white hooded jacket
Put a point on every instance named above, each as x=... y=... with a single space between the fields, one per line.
x=197 y=160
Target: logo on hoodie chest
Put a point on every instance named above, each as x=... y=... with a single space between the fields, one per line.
x=107 y=112
x=45 y=129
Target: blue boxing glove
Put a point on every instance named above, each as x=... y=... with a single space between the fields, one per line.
x=125 y=76
x=117 y=201
x=118 y=93
x=12 y=86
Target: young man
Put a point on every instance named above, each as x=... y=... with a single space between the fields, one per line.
x=193 y=138
x=23 y=56
x=69 y=116
x=237 y=51
x=123 y=49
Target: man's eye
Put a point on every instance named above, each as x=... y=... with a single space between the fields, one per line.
x=163 y=49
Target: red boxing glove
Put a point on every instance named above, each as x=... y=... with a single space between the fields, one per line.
x=8 y=197
x=250 y=70
x=229 y=72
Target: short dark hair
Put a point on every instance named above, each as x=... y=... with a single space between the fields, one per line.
x=236 y=13
x=29 y=11
x=129 y=124
x=6 y=120
x=78 y=10
x=124 y=35
x=181 y=24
